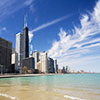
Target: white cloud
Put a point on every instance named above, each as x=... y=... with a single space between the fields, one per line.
x=4 y=29
x=46 y=25
x=88 y=42
x=31 y=46
x=82 y=35
x=30 y=36
x=7 y=8
x=28 y=2
x=31 y=49
x=96 y=13
x=32 y=8
x=50 y=23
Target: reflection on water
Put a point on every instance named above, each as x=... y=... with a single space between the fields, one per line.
x=58 y=87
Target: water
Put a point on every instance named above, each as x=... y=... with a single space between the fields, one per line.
x=55 y=87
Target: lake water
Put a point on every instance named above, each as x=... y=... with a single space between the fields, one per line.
x=55 y=87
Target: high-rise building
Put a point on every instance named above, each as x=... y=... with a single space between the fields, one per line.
x=39 y=66
x=35 y=54
x=51 y=65
x=44 y=62
x=14 y=61
x=56 y=66
x=63 y=70
x=19 y=48
x=29 y=63
x=25 y=43
x=5 y=55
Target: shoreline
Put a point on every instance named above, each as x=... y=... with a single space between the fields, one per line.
x=33 y=75
x=23 y=75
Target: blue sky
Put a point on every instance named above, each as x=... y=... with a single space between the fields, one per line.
x=69 y=30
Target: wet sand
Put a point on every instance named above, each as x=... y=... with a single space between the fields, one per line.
x=30 y=93
x=22 y=75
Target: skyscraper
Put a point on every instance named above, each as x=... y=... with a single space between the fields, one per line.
x=14 y=61
x=35 y=54
x=51 y=65
x=5 y=55
x=44 y=62
x=25 y=43
x=56 y=66
x=19 y=48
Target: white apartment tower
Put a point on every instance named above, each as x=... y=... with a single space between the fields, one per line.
x=14 y=60
x=44 y=62
x=19 y=48
x=35 y=55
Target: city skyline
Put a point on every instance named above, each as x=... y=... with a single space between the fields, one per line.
x=72 y=36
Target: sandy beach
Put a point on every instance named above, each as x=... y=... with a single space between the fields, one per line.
x=22 y=75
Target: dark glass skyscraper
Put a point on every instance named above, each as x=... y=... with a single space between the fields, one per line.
x=25 y=43
x=5 y=55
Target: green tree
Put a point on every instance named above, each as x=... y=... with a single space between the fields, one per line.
x=25 y=70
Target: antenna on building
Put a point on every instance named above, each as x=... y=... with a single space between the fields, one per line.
x=25 y=21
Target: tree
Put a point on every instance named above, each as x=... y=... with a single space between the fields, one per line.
x=25 y=70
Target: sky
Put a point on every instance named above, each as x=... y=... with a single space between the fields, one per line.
x=68 y=30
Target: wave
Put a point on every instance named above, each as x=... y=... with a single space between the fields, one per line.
x=73 y=98
x=5 y=95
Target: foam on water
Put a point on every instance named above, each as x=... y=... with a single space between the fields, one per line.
x=73 y=98
x=5 y=95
